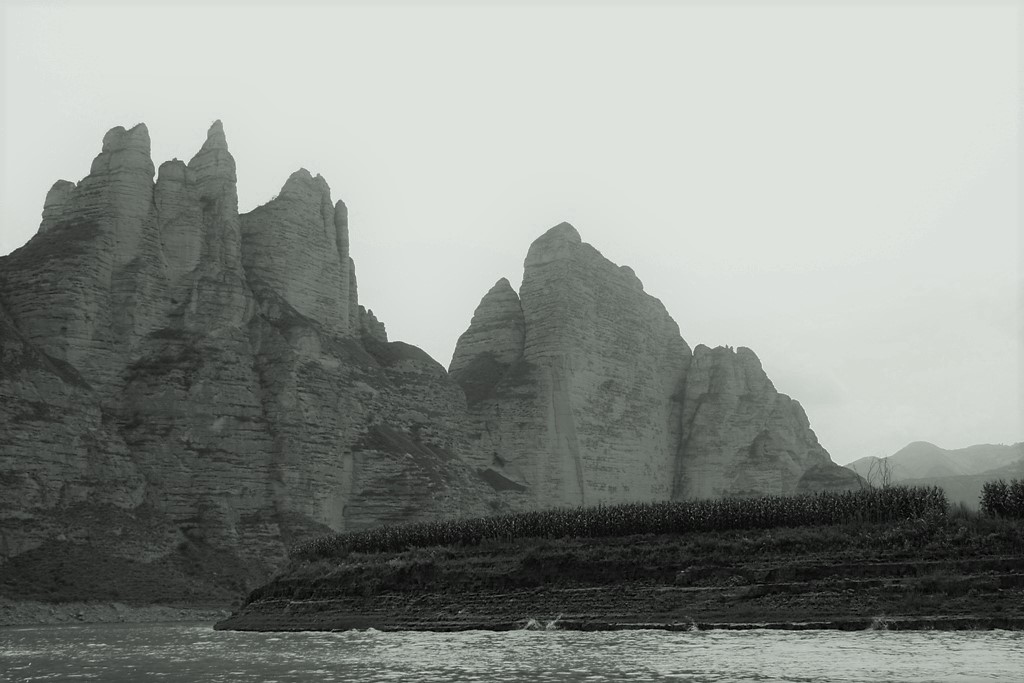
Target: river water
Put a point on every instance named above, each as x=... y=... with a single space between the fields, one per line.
x=176 y=652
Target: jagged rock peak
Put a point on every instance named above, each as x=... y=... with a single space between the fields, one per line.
x=497 y=330
x=742 y=437
x=559 y=242
x=302 y=182
x=215 y=138
x=502 y=285
x=56 y=200
x=298 y=244
x=563 y=232
x=739 y=351
x=125 y=150
x=137 y=138
x=213 y=161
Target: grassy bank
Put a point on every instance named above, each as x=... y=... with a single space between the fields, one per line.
x=935 y=569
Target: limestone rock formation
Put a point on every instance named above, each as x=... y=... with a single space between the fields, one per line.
x=583 y=391
x=495 y=339
x=584 y=412
x=297 y=244
x=191 y=375
x=740 y=437
x=180 y=384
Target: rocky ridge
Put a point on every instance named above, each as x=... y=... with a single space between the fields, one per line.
x=177 y=377
x=582 y=391
x=168 y=370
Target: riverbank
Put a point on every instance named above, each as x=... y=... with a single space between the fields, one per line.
x=948 y=572
x=31 y=612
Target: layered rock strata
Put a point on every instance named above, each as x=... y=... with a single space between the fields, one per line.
x=571 y=382
x=740 y=437
x=297 y=244
x=207 y=376
x=583 y=391
x=178 y=380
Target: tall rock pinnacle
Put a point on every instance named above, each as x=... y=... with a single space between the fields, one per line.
x=297 y=244
x=592 y=392
x=497 y=331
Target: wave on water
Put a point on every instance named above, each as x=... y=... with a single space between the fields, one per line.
x=879 y=623
x=534 y=625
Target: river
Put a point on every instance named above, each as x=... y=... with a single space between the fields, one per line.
x=176 y=652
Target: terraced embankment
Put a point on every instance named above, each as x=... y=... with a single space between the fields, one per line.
x=946 y=573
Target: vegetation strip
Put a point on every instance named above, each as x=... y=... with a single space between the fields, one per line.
x=902 y=560
x=888 y=504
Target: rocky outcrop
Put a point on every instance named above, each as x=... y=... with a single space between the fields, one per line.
x=497 y=330
x=80 y=289
x=584 y=411
x=179 y=381
x=740 y=437
x=494 y=341
x=297 y=244
x=191 y=375
x=583 y=391
x=55 y=203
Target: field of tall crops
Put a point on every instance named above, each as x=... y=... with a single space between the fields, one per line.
x=890 y=504
x=1002 y=499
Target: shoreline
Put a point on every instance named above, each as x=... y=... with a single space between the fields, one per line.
x=940 y=574
x=14 y=613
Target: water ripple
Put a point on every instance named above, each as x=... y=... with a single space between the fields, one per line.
x=171 y=652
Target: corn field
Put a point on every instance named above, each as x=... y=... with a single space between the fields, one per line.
x=889 y=504
x=999 y=499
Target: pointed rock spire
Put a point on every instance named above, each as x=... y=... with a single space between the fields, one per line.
x=558 y=242
x=497 y=331
x=298 y=244
x=55 y=203
x=215 y=138
x=213 y=161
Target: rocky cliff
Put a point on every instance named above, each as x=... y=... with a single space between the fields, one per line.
x=583 y=391
x=740 y=437
x=572 y=384
x=181 y=384
x=170 y=365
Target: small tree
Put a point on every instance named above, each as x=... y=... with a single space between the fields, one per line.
x=880 y=473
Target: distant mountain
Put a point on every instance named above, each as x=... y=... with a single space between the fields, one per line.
x=960 y=472
x=921 y=459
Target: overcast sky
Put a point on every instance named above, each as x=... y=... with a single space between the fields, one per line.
x=835 y=186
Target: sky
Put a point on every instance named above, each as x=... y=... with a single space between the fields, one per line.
x=836 y=186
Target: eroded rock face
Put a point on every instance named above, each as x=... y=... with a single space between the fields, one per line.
x=81 y=289
x=583 y=391
x=168 y=360
x=496 y=339
x=297 y=244
x=175 y=376
x=740 y=437
x=584 y=413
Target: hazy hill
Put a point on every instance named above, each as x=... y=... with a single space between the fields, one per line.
x=922 y=459
x=960 y=472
